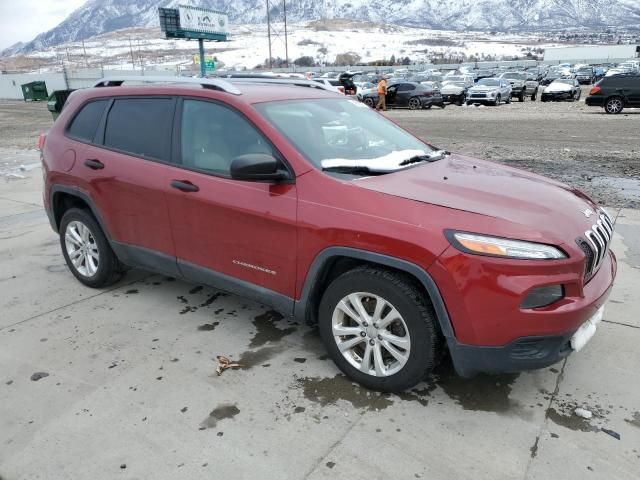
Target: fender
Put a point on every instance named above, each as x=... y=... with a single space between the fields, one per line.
x=302 y=305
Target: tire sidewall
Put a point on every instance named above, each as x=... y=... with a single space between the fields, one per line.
x=422 y=352
x=105 y=263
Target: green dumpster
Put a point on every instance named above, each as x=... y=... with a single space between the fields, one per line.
x=34 y=91
x=56 y=101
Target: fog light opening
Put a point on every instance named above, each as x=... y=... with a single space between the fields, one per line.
x=543 y=296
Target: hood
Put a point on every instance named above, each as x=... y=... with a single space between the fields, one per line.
x=558 y=87
x=546 y=208
x=451 y=89
x=515 y=81
x=484 y=88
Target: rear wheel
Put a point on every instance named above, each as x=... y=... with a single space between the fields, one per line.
x=534 y=95
x=614 y=105
x=378 y=328
x=521 y=96
x=87 y=251
x=414 y=103
x=369 y=102
x=579 y=93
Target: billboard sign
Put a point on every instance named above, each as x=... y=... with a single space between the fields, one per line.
x=201 y=20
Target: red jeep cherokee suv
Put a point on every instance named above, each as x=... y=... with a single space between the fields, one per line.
x=310 y=202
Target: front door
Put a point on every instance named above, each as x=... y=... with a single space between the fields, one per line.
x=235 y=235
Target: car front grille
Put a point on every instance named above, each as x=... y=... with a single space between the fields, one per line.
x=478 y=95
x=595 y=243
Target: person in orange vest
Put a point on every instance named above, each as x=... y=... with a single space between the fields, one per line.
x=382 y=94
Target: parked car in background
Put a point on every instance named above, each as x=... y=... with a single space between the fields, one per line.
x=363 y=87
x=454 y=88
x=616 y=93
x=630 y=66
x=346 y=80
x=407 y=94
x=562 y=89
x=489 y=91
x=331 y=83
x=522 y=84
x=306 y=202
x=585 y=75
x=480 y=74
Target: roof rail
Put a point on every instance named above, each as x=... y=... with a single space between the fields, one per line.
x=280 y=81
x=212 y=83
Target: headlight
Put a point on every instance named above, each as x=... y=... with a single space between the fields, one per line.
x=502 y=247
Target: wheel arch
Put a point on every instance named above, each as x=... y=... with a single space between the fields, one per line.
x=333 y=261
x=63 y=198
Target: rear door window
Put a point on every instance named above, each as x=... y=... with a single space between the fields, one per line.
x=141 y=127
x=85 y=124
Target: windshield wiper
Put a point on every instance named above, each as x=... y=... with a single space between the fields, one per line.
x=437 y=155
x=350 y=170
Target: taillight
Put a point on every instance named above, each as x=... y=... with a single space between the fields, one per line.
x=595 y=90
x=427 y=94
x=41 y=140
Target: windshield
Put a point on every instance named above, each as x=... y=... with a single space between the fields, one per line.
x=489 y=82
x=334 y=133
x=457 y=84
x=454 y=79
x=568 y=81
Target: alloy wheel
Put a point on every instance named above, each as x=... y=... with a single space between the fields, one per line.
x=371 y=334
x=82 y=248
x=414 y=103
x=614 y=105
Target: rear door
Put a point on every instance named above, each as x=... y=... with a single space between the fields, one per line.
x=238 y=235
x=125 y=169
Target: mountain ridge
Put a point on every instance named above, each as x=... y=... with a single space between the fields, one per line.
x=102 y=16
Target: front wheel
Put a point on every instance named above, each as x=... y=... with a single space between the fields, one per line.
x=521 y=97
x=87 y=251
x=414 y=103
x=497 y=101
x=534 y=95
x=379 y=329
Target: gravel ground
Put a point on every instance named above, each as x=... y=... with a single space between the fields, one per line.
x=576 y=144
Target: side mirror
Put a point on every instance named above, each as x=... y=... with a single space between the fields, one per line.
x=257 y=167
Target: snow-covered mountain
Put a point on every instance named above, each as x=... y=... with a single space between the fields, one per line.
x=102 y=16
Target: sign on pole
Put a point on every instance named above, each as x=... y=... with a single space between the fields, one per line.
x=196 y=19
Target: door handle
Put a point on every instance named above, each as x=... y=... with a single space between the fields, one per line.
x=94 y=164
x=184 y=186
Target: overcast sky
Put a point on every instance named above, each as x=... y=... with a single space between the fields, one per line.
x=22 y=20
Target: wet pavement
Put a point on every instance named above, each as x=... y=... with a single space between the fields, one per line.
x=122 y=382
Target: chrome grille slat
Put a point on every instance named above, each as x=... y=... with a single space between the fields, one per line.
x=598 y=239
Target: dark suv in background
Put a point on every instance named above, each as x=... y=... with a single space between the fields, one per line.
x=616 y=92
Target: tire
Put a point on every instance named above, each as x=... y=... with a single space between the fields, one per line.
x=442 y=105
x=459 y=102
x=497 y=101
x=521 y=97
x=508 y=100
x=97 y=265
x=614 y=105
x=367 y=287
x=427 y=107
x=534 y=95
x=579 y=95
x=414 y=103
x=369 y=102
x=543 y=99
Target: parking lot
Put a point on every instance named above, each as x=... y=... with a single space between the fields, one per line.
x=122 y=382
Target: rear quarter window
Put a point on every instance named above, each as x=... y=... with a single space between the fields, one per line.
x=84 y=125
x=140 y=126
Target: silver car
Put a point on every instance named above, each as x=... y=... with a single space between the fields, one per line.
x=489 y=91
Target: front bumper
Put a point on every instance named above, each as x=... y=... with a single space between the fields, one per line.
x=453 y=97
x=557 y=95
x=492 y=333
